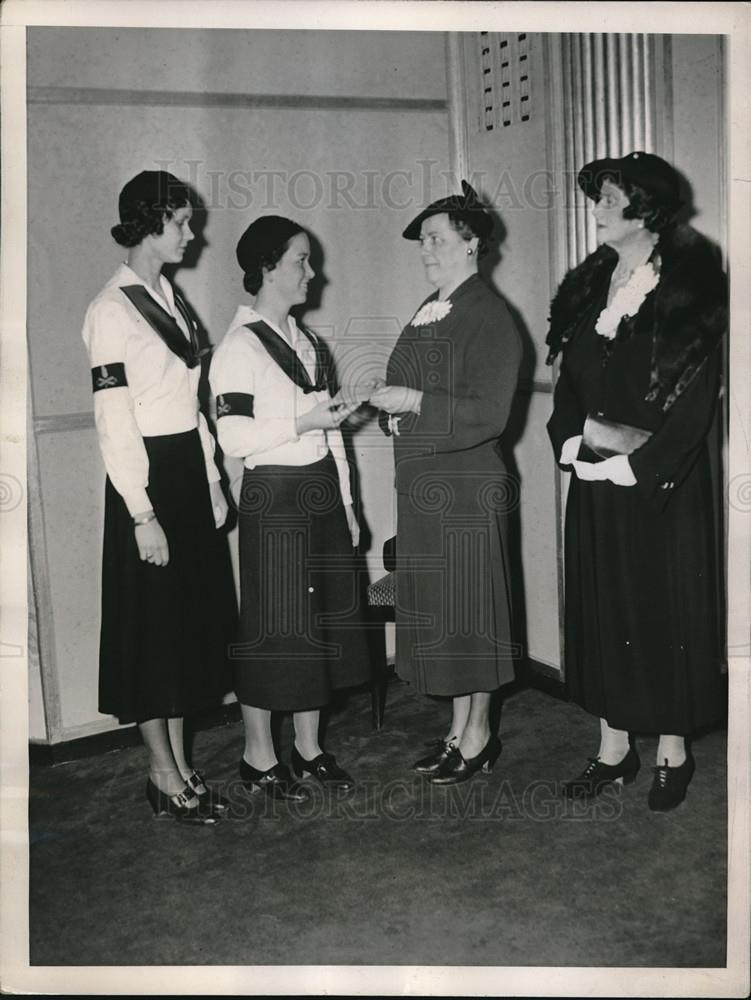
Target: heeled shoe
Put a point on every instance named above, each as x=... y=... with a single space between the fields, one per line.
x=596 y=776
x=178 y=806
x=456 y=768
x=324 y=768
x=277 y=782
x=669 y=785
x=442 y=751
x=208 y=798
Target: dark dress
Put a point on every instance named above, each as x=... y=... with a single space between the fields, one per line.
x=453 y=617
x=642 y=636
x=166 y=629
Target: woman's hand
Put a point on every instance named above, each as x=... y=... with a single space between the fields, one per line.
x=218 y=503
x=616 y=470
x=325 y=416
x=354 y=527
x=152 y=543
x=397 y=399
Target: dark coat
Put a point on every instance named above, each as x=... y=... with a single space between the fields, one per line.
x=642 y=625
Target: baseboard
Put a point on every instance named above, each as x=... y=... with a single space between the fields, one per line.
x=542 y=677
x=49 y=754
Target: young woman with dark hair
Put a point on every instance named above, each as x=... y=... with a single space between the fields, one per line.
x=301 y=635
x=167 y=594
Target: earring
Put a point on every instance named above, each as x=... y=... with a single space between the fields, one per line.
x=470 y=251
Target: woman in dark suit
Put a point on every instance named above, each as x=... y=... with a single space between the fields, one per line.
x=450 y=382
x=638 y=325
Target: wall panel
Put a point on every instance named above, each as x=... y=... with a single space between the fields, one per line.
x=354 y=172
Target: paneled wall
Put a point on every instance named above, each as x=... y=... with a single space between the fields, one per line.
x=344 y=131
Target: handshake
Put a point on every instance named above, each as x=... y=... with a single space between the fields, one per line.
x=331 y=413
x=390 y=398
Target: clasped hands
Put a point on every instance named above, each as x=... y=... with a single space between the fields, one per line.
x=330 y=413
x=389 y=398
x=615 y=470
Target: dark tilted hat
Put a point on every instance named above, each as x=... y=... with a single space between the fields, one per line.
x=263 y=237
x=472 y=209
x=649 y=172
x=155 y=188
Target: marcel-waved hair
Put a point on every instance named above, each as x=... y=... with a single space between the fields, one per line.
x=145 y=202
x=654 y=211
x=462 y=223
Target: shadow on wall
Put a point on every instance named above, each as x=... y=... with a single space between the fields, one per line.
x=511 y=436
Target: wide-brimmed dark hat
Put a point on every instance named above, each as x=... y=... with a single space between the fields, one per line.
x=477 y=216
x=648 y=171
x=263 y=237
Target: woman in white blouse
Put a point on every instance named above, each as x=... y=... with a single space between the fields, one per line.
x=167 y=593
x=300 y=631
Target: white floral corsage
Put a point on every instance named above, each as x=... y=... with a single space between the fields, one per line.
x=627 y=300
x=432 y=312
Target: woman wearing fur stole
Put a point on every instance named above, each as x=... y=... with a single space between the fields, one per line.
x=638 y=326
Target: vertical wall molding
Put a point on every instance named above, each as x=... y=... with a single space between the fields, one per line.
x=607 y=95
x=41 y=618
x=457 y=107
x=608 y=109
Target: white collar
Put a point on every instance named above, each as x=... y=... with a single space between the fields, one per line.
x=127 y=276
x=247 y=314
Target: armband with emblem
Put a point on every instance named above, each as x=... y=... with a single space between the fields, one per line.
x=234 y=404
x=108 y=376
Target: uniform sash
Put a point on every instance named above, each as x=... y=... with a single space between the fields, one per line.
x=165 y=325
x=287 y=359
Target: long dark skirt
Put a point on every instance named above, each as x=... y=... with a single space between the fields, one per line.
x=643 y=641
x=453 y=614
x=166 y=629
x=301 y=630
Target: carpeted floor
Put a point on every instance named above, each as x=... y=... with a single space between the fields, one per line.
x=500 y=871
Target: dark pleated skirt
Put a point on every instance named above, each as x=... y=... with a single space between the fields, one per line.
x=643 y=639
x=166 y=630
x=453 y=612
x=301 y=629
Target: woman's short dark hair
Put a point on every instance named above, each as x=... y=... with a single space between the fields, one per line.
x=462 y=223
x=145 y=201
x=644 y=205
x=253 y=278
x=262 y=246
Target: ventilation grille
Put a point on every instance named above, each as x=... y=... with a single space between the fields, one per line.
x=505 y=80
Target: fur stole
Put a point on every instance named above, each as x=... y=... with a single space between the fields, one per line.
x=686 y=313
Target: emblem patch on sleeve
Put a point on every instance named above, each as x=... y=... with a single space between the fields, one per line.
x=108 y=376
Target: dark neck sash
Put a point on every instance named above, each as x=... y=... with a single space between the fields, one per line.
x=288 y=361
x=164 y=324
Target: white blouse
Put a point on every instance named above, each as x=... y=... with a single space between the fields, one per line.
x=161 y=395
x=241 y=364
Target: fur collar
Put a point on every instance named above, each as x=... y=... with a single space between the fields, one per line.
x=686 y=313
